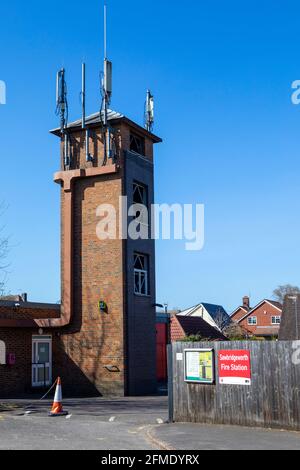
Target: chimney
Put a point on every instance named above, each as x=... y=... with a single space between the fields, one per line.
x=246 y=302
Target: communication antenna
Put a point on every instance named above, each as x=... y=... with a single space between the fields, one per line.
x=106 y=92
x=83 y=94
x=62 y=111
x=149 y=112
x=105 y=30
x=88 y=156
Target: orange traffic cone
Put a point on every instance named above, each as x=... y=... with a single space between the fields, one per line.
x=57 y=409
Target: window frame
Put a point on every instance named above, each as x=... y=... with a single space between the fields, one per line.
x=139 y=141
x=253 y=322
x=143 y=276
x=277 y=319
x=143 y=215
x=146 y=193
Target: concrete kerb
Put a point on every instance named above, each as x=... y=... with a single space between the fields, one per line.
x=155 y=441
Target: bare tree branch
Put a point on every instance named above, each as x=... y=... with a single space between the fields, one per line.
x=221 y=319
x=281 y=291
x=235 y=332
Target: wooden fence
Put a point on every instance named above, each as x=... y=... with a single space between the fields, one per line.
x=272 y=400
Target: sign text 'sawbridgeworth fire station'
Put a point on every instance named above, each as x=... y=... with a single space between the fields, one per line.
x=234 y=367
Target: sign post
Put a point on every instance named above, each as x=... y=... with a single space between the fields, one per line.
x=234 y=367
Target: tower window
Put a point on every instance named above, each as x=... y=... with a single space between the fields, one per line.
x=137 y=144
x=141 y=274
x=140 y=200
x=140 y=194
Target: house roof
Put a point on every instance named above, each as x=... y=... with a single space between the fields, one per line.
x=94 y=120
x=239 y=308
x=197 y=326
x=190 y=310
x=26 y=314
x=11 y=298
x=212 y=309
x=266 y=331
x=215 y=310
x=271 y=302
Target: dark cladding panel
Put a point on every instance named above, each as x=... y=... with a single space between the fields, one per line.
x=140 y=310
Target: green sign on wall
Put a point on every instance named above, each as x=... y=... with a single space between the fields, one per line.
x=199 y=366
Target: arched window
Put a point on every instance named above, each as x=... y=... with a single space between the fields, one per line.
x=2 y=353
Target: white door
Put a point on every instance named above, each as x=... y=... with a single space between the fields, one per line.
x=41 y=361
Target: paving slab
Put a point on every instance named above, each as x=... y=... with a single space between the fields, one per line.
x=212 y=437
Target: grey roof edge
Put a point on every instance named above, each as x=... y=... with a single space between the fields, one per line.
x=92 y=120
x=36 y=305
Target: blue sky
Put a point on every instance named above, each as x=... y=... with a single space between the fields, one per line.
x=221 y=73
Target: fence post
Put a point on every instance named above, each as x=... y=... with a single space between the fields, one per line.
x=170 y=383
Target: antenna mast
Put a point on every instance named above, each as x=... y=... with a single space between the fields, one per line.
x=83 y=94
x=62 y=111
x=88 y=156
x=105 y=30
x=106 y=89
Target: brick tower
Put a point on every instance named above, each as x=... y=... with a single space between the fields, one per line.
x=106 y=332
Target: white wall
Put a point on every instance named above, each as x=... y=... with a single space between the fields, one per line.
x=202 y=312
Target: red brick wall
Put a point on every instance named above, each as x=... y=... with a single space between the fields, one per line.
x=15 y=380
x=240 y=313
x=77 y=140
x=95 y=340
